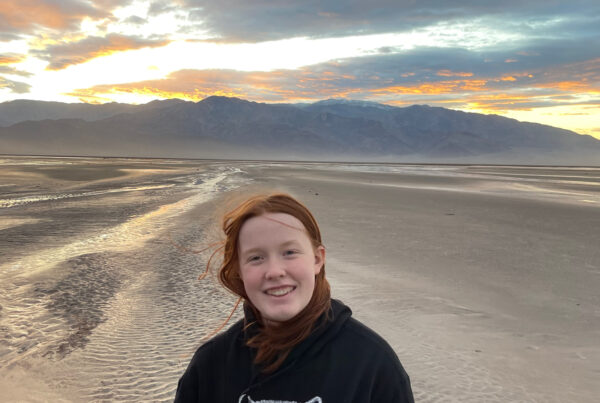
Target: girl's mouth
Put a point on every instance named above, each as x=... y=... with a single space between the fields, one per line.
x=280 y=291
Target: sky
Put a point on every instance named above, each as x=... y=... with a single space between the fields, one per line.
x=532 y=60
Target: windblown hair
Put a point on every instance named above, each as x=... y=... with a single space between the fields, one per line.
x=273 y=343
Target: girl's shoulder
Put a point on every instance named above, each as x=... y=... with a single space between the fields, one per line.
x=359 y=332
x=220 y=343
x=373 y=357
x=362 y=341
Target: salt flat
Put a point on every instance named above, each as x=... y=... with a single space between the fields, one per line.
x=483 y=278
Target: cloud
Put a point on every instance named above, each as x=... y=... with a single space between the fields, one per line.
x=276 y=86
x=67 y=54
x=161 y=6
x=454 y=78
x=12 y=58
x=16 y=87
x=7 y=36
x=185 y=84
x=244 y=21
x=135 y=20
x=448 y=73
x=111 y=4
x=13 y=71
x=29 y=16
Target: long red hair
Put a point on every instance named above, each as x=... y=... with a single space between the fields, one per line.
x=273 y=343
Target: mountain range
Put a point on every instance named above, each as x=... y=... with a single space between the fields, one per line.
x=222 y=127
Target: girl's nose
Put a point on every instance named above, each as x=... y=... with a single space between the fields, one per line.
x=275 y=269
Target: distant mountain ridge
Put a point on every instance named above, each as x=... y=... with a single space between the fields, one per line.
x=22 y=110
x=222 y=127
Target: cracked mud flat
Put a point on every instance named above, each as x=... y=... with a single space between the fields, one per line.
x=483 y=279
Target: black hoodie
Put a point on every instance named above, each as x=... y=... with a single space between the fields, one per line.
x=342 y=361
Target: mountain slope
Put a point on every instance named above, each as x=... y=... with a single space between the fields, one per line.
x=22 y=110
x=220 y=127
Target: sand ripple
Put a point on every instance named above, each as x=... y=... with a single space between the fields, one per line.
x=114 y=316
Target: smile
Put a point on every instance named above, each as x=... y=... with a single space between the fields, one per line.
x=280 y=291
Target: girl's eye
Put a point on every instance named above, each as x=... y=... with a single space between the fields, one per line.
x=290 y=252
x=254 y=259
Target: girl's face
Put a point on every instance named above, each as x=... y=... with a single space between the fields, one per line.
x=278 y=265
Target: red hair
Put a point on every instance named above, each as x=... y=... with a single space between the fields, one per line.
x=273 y=343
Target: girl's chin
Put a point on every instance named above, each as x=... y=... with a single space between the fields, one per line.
x=278 y=317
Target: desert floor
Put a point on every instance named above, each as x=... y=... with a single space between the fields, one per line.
x=484 y=279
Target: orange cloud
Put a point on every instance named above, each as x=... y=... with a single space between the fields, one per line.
x=7 y=60
x=91 y=95
x=492 y=100
x=511 y=91
x=583 y=77
x=194 y=85
x=572 y=86
x=28 y=15
x=66 y=54
x=185 y=84
x=440 y=87
x=448 y=73
x=521 y=100
x=11 y=59
x=289 y=85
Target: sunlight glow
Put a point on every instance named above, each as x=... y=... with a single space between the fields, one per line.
x=155 y=63
x=185 y=63
x=582 y=119
x=15 y=46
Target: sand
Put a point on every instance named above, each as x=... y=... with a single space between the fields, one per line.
x=484 y=279
x=486 y=285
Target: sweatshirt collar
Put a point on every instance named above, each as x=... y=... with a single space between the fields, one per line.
x=326 y=328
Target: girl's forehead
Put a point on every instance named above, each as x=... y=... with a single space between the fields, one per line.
x=286 y=220
x=272 y=222
x=271 y=229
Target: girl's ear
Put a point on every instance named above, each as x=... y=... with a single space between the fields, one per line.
x=319 y=259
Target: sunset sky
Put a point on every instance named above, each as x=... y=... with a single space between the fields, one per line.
x=533 y=60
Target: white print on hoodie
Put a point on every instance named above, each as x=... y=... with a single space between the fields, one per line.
x=316 y=399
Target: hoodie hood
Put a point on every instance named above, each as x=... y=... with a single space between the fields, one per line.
x=341 y=360
x=326 y=328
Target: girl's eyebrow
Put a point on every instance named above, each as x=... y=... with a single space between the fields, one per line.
x=259 y=249
x=249 y=251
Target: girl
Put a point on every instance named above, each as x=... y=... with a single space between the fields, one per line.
x=295 y=343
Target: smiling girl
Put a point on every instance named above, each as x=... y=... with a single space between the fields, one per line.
x=295 y=343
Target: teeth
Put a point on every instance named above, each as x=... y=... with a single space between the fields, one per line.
x=280 y=291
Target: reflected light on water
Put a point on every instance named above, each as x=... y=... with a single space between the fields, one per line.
x=4 y=203
x=9 y=222
x=128 y=235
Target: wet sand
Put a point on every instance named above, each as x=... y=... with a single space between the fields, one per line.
x=484 y=279
x=97 y=300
